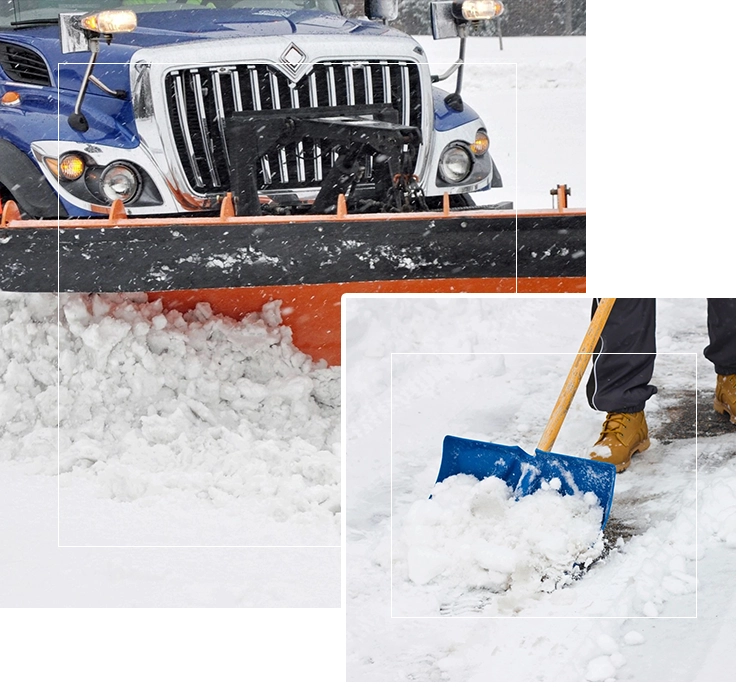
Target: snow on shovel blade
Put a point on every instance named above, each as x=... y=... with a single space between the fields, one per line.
x=524 y=473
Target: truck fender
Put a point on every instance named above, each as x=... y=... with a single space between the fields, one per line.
x=27 y=185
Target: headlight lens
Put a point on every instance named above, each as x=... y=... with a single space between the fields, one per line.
x=481 y=144
x=120 y=181
x=477 y=10
x=71 y=166
x=455 y=164
x=110 y=21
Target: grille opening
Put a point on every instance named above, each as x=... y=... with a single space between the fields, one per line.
x=201 y=99
x=23 y=65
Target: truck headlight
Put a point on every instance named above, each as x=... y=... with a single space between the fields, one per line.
x=110 y=21
x=455 y=164
x=120 y=181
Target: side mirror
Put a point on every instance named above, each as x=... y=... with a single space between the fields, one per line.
x=386 y=10
x=447 y=16
x=81 y=33
x=449 y=19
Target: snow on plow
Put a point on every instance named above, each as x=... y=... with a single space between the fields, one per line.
x=239 y=263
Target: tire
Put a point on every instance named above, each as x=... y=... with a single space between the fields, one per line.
x=23 y=182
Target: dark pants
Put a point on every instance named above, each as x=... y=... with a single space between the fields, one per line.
x=624 y=357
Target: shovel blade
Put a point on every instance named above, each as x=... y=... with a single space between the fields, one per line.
x=524 y=473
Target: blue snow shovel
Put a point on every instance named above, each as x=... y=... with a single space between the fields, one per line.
x=523 y=472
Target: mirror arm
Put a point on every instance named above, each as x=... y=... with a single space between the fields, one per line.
x=77 y=120
x=117 y=93
x=442 y=77
x=460 y=59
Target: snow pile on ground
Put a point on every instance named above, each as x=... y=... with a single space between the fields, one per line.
x=161 y=408
x=28 y=379
x=474 y=535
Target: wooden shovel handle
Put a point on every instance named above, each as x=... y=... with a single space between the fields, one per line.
x=575 y=375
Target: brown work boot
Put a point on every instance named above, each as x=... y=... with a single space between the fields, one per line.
x=621 y=436
x=725 y=396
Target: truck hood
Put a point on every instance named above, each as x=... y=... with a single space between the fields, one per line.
x=159 y=29
x=156 y=28
x=164 y=28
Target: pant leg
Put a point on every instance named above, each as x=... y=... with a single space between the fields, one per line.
x=624 y=358
x=721 y=328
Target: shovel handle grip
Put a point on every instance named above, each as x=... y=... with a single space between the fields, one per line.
x=575 y=374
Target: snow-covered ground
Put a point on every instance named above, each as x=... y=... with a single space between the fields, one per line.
x=659 y=604
x=187 y=430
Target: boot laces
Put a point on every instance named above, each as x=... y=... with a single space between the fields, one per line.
x=614 y=424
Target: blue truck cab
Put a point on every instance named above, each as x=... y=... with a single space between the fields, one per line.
x=136 y=100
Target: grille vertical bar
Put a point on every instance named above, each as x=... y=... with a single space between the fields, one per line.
x=316 y=150
x=255 y=92
x=206 y=141
x=350 y=94
x=386 y=83
x=299 y=147
x=273 y=81
x=237 y=98
x=219 y=102
x=405 y=74
x=185 y=131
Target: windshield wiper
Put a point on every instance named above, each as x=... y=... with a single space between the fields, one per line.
x=36 y=22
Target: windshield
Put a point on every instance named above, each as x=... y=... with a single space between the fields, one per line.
x=17 y=12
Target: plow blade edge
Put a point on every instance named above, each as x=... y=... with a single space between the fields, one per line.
x=132 y=256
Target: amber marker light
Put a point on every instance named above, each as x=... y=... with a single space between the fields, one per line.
x=10 y=98
x=71 y=166
x=110 y=21
x=53 y=165
x=481 y=144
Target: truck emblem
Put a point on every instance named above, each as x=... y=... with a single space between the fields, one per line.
x=293 y=59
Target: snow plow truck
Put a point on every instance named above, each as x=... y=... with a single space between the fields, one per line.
x=242 y=151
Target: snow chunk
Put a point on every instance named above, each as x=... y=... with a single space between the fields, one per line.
x=601 y=451
x=618 y=660
x=425 y=564
x=650 y=610
x=634 y=638
x=600 y=669
x=607 y=644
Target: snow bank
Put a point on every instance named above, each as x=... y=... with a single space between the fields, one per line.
x=473 y=535
x=158 y=408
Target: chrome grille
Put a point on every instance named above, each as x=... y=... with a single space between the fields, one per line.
x=200 y=99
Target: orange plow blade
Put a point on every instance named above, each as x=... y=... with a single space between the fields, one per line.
x=237 y=264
